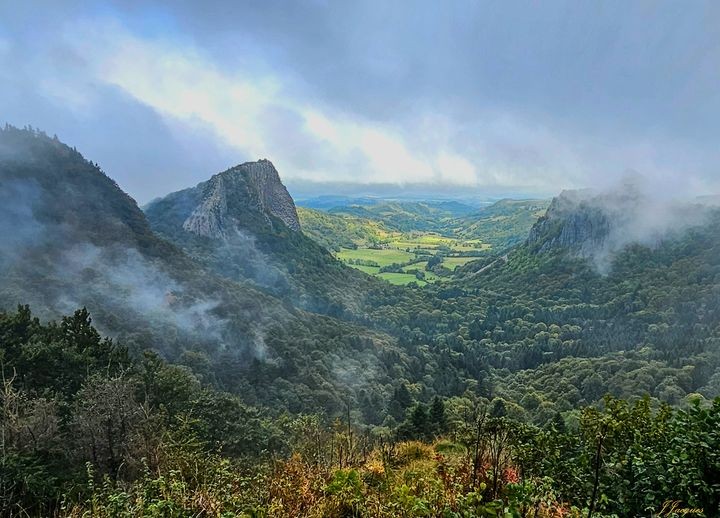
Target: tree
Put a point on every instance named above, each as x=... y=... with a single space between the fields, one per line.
x=420 y=421
x=498 y=408
x=105 y=420
x=433 y=262
x=438 y=419
x=400 y=402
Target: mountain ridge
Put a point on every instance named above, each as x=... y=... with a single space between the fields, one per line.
x=80 y=241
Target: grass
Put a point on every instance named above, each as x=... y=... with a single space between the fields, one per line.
x=416 y=266
x=395 y=278
x=371 y=270
x=397 y=253
x=433 y=242
x=400 y=278
x=453 y=262
x=382 y=257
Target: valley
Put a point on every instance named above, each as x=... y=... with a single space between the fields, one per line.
x=222 y=326
x=403 y=258
x=418 y=242
x=312 y=259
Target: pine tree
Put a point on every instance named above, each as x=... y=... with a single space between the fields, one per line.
x=420 y=422
x=400 y=402
x=438 y=420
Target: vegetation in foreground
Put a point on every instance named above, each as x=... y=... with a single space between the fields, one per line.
x=89 y=431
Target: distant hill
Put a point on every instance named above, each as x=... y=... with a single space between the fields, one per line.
x=503 y=224
x=336 y=231
x=327 y=201
x=407 y=216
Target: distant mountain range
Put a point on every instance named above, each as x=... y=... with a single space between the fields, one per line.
x=501 y=224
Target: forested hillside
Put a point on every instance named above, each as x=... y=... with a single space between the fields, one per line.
x=649 y=325
x=503 y=224
x=249 y=372
x=118 y=435
x=242 y=224
x=335 y=232
x=72 y=238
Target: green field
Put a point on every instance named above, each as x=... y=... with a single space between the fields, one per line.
x=365 y=239
x=400 y=278
x=433 y=242
x=416 y=266
x=453 y=262
x=371 y=270
x=420 y=248
x=382 y=257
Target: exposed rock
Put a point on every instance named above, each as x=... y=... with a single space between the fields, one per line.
x=573 y=221
x=598 y=226
x=208 y=219
x=231 y=199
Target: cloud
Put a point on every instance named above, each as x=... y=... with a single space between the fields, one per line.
x=631 y=211
x=254 y=114
x=515 y=99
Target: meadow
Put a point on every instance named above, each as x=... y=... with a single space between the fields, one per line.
x=411 y=252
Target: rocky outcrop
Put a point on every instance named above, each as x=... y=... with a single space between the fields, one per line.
x=272 y=195
x=208 y=219
x=247 y=195
x=584 y=221
x=599 y=226
x=573 y=221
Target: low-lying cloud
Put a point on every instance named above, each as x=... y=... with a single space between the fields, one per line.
x=632 y=212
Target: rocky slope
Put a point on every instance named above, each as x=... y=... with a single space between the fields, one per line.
x=228 y=196
x=243 y=224
x=574 y=220
x=600 y=225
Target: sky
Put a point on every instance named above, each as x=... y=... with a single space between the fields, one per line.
x=455 y=97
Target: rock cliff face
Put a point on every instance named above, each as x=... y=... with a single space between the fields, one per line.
x=574 y=221
x=246 y=195
x=242 y=224
x=584 y=222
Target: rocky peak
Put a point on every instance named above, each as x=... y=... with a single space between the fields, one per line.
x=239 y=197
x=580 y=221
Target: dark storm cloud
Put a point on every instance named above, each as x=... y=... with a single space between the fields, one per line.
x=649 y=63
x=534 y=96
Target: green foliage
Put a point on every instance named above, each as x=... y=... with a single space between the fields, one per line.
x=170 y=446
x=503 y=224
x=529 y=382
x=335 y=231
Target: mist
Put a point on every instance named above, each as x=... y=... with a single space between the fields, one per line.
x=600 y=223
x=63 y=247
